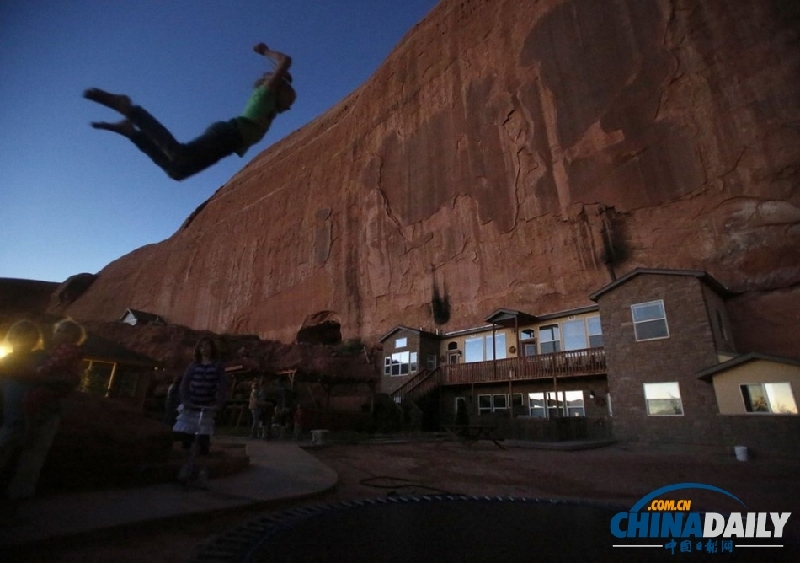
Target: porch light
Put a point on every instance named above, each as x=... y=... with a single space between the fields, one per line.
x=4 y=350
x=591 y=394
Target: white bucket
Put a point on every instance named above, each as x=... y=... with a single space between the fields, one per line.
x=741 y=453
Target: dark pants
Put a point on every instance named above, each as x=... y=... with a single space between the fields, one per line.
x=181 y=160
x=203 y=442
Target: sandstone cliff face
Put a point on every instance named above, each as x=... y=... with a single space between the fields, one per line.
x=512 y=154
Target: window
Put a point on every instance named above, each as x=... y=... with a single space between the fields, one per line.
x=721 y=326
x=549 y=339
x=595 y=331
x=574 y=403
x=516 y=401
x=482 y=348
x=574 y=335
x=400 y=363
x=430 y=362
x=493 y=403
x=529 y=349
x=562 y=403
x=536 y=405
x=774 y=398
x=401 y=343
x=663 y=399
x=649 y=320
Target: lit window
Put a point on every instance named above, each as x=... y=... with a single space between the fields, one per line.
x=663 y=399
x=776 y=398
x=649 y=320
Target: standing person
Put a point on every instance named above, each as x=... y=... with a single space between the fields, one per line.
x=255 y=404
x=203 y=391
x=45 y=380
x=61 y=371
x=25 y=340
x=299 y=417
x=273 y=94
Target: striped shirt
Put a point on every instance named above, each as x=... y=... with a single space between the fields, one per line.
x=204 y=384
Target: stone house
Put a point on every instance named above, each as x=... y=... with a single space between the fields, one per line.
x=653 y=359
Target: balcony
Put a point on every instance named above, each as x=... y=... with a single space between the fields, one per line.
x=575 y=363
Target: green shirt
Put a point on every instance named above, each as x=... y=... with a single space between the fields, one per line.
x=256 y=118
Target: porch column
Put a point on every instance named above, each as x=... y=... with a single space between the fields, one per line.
x=110 y=389
x=494 y=352
x=555 y=391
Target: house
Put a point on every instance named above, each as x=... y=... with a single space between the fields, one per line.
x=515 y=366
x=653 y=360
x=116 y=371
x=136 y=317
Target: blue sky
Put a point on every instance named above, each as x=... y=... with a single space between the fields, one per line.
x=73 y=199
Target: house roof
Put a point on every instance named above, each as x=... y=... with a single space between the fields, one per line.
x=709 y=373
x=501 y=316
x=143 y=316
x=568 y=312
x=101 y=349
x=403 y=327
x=702 y=275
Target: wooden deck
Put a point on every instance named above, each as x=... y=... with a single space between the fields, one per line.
x=576 y=363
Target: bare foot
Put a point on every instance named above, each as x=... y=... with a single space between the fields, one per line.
x=117 y=102
x=124 y=127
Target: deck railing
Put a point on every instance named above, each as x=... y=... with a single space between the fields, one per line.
x=575 y=363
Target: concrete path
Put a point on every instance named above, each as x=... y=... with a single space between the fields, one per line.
x=278 y=471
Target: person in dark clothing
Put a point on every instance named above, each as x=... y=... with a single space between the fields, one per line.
x=273 y=94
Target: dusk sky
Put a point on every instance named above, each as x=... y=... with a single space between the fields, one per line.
x=73 y=199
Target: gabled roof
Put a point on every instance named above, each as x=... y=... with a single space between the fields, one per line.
x=408 y=328
x=708 y=373
x=702 y=275
x=499 y=316
x=143 y=316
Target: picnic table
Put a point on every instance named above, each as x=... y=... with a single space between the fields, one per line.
x=471 y=433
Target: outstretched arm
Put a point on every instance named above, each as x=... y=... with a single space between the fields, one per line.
x=282 y=60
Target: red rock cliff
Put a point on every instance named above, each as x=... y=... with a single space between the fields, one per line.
x=516 y=154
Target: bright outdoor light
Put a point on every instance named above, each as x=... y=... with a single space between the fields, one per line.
x=4 y=350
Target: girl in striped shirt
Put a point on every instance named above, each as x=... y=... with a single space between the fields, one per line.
x=204 y=390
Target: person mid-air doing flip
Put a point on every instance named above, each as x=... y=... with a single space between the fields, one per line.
x=273 y=94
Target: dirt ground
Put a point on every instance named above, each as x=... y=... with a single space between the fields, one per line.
x=611 y=474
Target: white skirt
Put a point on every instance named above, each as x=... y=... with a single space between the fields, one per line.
x=189 y=421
